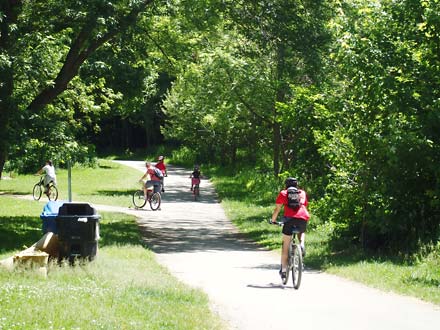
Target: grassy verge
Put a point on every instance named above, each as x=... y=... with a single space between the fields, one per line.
x=124 y=288
x=109 y=184
x=249 y=200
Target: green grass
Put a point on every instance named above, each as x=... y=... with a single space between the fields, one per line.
x=123 y=288
x=245 y=200
x=109 y=184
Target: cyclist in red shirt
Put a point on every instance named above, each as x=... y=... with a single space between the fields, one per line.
x=298 y=217
x=162 y=167
x=195 y=176
x=152 y=179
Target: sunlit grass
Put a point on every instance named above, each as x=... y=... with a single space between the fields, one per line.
x=109 y=183
x=123 y=288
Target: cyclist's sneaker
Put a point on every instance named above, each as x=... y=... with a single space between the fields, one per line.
x=283 y=274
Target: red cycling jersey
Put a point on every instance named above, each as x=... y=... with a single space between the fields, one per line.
x=161 y=166
x=300 y=213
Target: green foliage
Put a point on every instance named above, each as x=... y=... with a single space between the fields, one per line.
x=343 y=95
x=383 y=184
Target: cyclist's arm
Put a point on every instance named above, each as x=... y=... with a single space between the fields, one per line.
x=276 y=211
x=144 y=176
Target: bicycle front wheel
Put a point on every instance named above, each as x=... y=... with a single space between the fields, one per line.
x=297 y=266
x=36 y=192
x=53 y=193
x=139 y=199
x=155 y=201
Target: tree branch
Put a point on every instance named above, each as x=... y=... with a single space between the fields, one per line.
x=79 y=53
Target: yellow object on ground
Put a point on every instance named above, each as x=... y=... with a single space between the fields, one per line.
x=36 y=256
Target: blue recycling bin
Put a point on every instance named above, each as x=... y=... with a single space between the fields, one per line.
x=49 y=214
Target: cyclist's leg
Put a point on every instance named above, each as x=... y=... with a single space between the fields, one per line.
x=156 y=186
x=289 y=224
x=302 y=226
x=147 y=184
x=285 y=251
x=47 y=180
x=302 y=241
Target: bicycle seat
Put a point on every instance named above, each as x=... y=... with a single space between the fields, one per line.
x=295 y=230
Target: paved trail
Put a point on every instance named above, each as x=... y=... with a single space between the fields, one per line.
x=203 y=249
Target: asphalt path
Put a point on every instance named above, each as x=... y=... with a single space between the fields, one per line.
x=200 y=246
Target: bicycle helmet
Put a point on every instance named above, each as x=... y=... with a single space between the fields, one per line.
x=160 y=158
x=291 y=182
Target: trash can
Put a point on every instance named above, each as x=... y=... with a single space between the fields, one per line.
x=78 y=231
x=50 y=212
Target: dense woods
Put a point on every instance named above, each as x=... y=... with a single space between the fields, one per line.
x=343 y=94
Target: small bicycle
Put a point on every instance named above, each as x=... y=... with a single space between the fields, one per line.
x=294 y=259
x=154 y=198
x=196 y=191
x=196 y=188
x=52 y=190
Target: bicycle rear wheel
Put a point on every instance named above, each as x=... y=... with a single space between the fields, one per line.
x=139 y=199
x=196 y=192
x=53 y=193
x=297 y=266
x=155 y=201
x=36 y=192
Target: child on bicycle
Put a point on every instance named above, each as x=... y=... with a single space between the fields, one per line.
x=297 y=216
x=195 y=176
x=49 y=176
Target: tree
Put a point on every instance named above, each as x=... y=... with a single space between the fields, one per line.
x=250 y=63
x=83 y=27
x=381 y=140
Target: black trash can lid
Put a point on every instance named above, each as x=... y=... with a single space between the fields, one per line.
x=77 y=209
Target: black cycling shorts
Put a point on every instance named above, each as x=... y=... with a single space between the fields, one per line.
x=290 y=223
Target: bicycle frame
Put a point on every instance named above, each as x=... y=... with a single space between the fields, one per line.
x=294 y=258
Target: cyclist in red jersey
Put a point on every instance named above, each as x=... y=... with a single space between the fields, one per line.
x=162 y=167
x=298 y=217
x=152 y=179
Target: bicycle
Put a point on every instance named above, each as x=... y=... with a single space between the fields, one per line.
x=196 y=188
x=52 y=190
x=294 y=258
x=154 y=199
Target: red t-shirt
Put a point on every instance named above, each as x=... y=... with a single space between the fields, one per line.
x=161 y=166
x=152 y=174
x=300 y=213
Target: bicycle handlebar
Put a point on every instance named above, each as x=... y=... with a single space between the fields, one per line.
x=276 y=223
